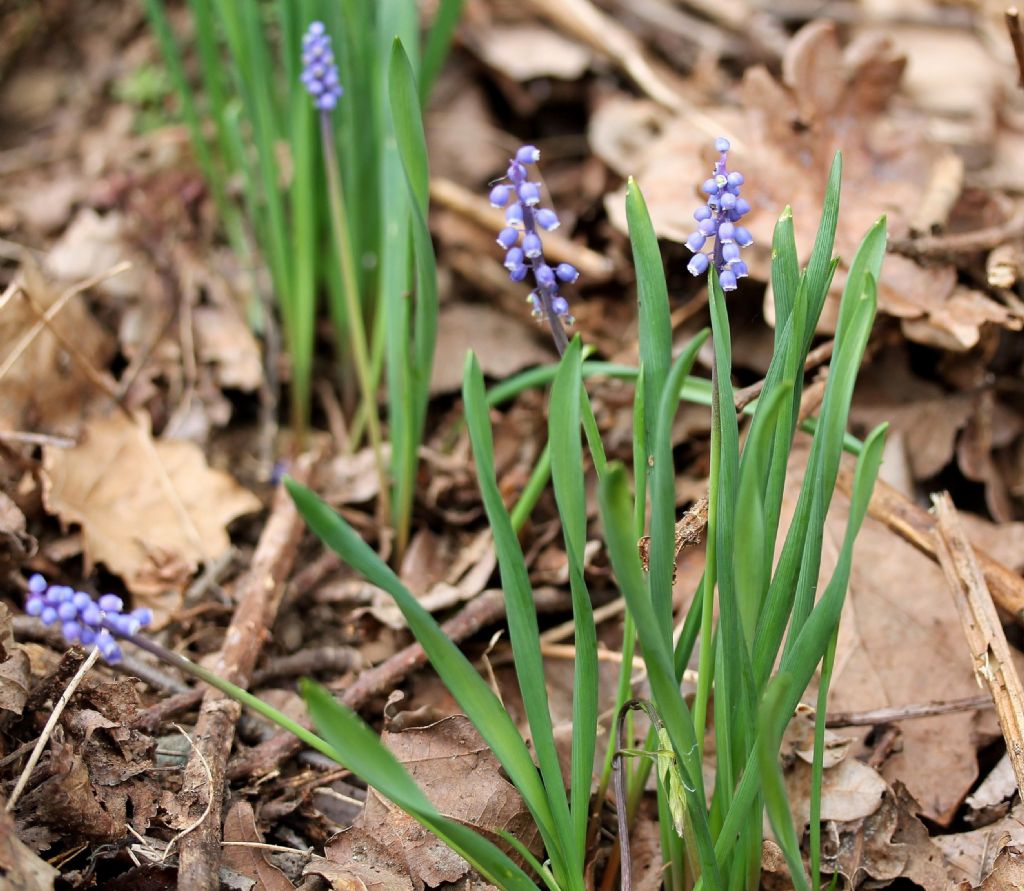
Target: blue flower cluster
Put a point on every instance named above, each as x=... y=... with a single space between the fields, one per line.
x=84 y=620
x=521 y=239
x=319 y=71
x=718 y=219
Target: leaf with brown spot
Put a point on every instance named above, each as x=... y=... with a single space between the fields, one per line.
x=150 y=510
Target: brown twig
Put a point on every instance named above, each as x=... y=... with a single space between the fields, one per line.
x=1013 y=26
x=906 y=712
x=917 y=526
x=259 y=594
x=961 y=242
x=476 y=615
x=993 y=663
x=818 y=356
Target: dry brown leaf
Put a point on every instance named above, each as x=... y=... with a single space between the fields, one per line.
x=464 y=781
x=90 y=246
x=20 y=868
x=44 y=388
x=525 y=51
x=502 y=345
x=831 y=98
x=240 y=826
x=150 y=510
x=358 y=860
x=900 y=642
x=972 y=855
x=1008 y=872
x=15 y=670
x=224 y=340
x=890 y=844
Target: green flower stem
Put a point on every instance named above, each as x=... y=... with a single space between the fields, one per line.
x=237 y=693
x=356 y=323
x=535 y=485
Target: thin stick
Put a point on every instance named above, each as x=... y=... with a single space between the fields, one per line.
x=1017 y=39
x=906 y=712
x=44 y=737
x=195 y=824
x=993 y=663
x=259 y=594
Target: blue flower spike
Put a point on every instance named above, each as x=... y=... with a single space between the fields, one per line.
x=82 y=619
x=319 y=70
x=718 y=218
x=521 y=239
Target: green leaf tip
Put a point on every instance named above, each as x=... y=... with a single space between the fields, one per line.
x=787 y=213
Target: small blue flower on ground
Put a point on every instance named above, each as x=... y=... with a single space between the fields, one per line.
x=718 y=218
x=319 y=71
x=82 y=619
x=521 y=238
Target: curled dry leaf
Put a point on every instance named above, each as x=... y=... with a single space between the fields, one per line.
x=15 y=671
x=972 y=856
x=784 y=137
x=150 y=510
x=525 y=51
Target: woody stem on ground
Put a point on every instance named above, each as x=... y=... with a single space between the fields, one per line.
x=353 y=306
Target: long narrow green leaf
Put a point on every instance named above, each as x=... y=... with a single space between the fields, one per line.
x=439 y=41
x=819 y=269
x=367 y=757
x=567 y=477
x=775 y=797
x=785 y=271
x=472 y=693
x=613 y=497
x=519 y=607
x=663 y=491
x=654 y=322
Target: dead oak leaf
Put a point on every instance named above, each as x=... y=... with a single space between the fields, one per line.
x=150 y=510
x=240 y=826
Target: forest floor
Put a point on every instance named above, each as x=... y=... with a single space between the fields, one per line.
x=141 y=434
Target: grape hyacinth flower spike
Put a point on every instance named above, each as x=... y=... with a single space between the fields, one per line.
x=718 y=218
x=82 y=619
x=525 y=220
x=319 y=71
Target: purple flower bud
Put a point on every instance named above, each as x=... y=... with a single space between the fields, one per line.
x=735 y=179
x=514 y=258
x=532 y=246
x=48 y=615
x=87 y=636
x=566 y=272
x=500 y=195
x=143 y=615
x=108 y=646
x=743 y=237
x=545 y=275
x=514 y=216
x=81 y=600
x=34 y=606
x=560 y=306
x=36 y=583
x=696 y=241
x=728 y=200
x=529 y=194
x=730 y=252
x=67 y=611
x=739 y=269
x=519 y=273
x=320 y=73
x=708 y=227
x=92 y=614
x=727 y=280
x=721 y=144
x=547 y=219
x=111 y=603
x=508 y=237
x=72 y=631
x=698 y=264
x=710 y=187
x=726 y=232
x=528 y=154
x=742 y=206
x=702 y=213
